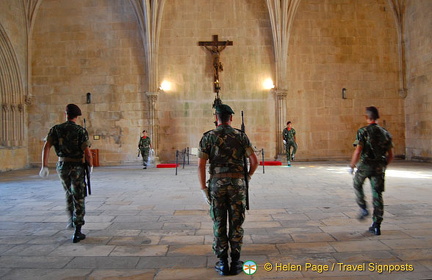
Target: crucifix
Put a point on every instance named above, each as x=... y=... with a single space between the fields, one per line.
x=215 y=47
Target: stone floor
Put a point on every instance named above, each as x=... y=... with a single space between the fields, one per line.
x=153 y=224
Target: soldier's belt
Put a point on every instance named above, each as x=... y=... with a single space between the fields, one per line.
x=66 y=159
x=227 y=175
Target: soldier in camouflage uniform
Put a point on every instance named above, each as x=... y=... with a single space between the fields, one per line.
x=225 y=147
x=289 y=139
x=374 y=151
x=71 y=144
x=144 y=146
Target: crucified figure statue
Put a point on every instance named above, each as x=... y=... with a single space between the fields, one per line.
x=217 y=65
x=215 y=47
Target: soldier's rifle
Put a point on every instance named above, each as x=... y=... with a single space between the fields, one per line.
x=87 y=171
x=245 y=169
x=139 y=151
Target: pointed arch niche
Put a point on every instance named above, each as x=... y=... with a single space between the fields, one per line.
x=11 y=96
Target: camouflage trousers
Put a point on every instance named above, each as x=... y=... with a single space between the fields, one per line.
x=72 y=178
x=227 y=210
x=290 y=153
x=145 y=155
x=376 y=177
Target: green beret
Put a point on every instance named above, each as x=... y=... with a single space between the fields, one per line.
x=224 y=109
x=73 y=110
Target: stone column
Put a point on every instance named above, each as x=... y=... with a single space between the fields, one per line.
x=280 y=109
x=5 y=125
x=153 y=120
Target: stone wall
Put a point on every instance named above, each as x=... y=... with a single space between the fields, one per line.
x=89 y=47
x=418 y=104
x=336 y=45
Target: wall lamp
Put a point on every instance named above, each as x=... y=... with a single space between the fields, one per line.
x=268 y=84
x=88 y=98
x=165 y=86
x=344 y=93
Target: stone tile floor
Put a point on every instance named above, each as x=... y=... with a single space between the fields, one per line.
x=153 y=224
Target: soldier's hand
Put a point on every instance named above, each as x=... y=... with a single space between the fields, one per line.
x=350 y=170
x=44 y=172
x=91 y=169
x=284 y=142
x=205 y=194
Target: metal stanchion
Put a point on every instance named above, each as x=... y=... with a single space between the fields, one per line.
x=177 y=152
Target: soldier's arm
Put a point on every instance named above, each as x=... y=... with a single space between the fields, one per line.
x=356 y=156
x=253 y=160
x=390 y=156
x=45 y=153
x=88 y=156
x=202 y=172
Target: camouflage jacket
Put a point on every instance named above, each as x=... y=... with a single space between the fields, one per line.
x=144 y=143
x=69 y=139
x=376 y=142
x=288 y=135
x=225 y=148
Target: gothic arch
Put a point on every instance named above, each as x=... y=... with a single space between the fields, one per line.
x=11 y=95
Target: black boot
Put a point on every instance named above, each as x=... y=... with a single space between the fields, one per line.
x=363 y=214
x=222 y=267
x=78 y=235
x=236 y=264
x=236 y=267
x=375 y=228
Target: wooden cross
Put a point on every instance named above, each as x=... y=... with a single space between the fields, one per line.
x=215 y=47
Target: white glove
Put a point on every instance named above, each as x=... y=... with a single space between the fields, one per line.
x=284 y=142
x=350 y=170
x=206 y=196
x=91 y=169
x=44 y=172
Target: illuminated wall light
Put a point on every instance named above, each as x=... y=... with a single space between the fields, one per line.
x=165 y=86
x=268 y=84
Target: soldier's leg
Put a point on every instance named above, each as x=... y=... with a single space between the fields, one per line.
x=358 y=181
x=294 y=150
x=236 y=213
x=377 y=184
x=78 y=191
x=218 y=213
x=63 y=173
x=145 y=157
x=288 y=153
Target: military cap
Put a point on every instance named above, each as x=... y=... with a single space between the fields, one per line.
x=73 y=110
x=372 y=112
x=224 y=109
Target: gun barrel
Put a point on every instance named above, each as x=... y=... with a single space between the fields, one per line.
x=87 y=169
x=245 y=168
